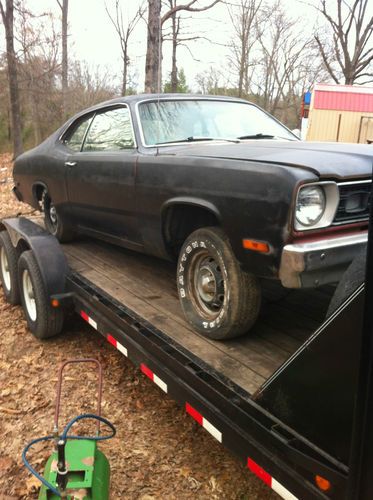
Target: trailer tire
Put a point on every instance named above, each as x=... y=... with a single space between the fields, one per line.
x=42 y=319
x=9 y=269
x=218 y=298
x=353 y=277
x=53 y=220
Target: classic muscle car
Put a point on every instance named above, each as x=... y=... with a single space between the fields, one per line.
x=213 y=182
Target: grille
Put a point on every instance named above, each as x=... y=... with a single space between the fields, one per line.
x=354 y=202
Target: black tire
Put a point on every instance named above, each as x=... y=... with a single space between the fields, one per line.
x=219 y=300
x=42 y=319
x=9 y=269
x=53 y=220
x=353 y=277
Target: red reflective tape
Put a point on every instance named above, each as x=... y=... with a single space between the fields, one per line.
x=261 y=473
x=147 y=371
x=84 y=316
x=112 y=340
x=194 y=413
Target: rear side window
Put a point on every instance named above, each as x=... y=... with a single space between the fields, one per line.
x=110 y=131
x=75 y=135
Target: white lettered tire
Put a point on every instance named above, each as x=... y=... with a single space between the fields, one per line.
x=219 y=300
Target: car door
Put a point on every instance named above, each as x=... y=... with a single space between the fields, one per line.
x=101 y=176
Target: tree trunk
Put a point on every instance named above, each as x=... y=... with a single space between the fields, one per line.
x=174 y=81
x=65 y=8
x=125 y=71
x=153 y=53
x=15 y=111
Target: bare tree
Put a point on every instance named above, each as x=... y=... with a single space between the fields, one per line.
x=212 y=81
x=7 y=15
x=124 y=31
x=282 y=72
x=245 y=22
x=38 y=43
x=64 y=6
x=178 y=37
x=348 y=53
x=153 y=73
x=175 y=32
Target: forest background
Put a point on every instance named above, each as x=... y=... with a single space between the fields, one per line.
x=60 y=56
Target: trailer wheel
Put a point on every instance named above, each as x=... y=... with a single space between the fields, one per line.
x=353 y=277
x=42 y=320
x=219 y=300
x=54 y=222
x=8 y=269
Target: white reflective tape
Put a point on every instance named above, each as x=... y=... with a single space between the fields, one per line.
x=159 y=382
x=212 y=430
x=122 y=349
x=283 y=492
x=92 y=322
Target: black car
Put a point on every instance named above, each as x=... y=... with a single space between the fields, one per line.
x=214 y=182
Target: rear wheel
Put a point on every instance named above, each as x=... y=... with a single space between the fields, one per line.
x=8 y=269
x=42 y=320
x=54 y=222
x=219 y=299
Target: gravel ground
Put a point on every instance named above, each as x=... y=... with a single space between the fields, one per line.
x=158 y=453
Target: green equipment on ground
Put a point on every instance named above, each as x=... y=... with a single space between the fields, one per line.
x=77 y=469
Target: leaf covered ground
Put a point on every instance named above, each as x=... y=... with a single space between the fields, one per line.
x=158 y=453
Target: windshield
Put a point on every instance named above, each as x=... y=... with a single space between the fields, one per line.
x=168 y=121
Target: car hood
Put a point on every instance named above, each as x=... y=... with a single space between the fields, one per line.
x=327 y=160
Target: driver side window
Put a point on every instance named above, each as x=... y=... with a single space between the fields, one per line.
x=110 y=131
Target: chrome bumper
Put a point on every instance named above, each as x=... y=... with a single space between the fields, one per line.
x=319 y=262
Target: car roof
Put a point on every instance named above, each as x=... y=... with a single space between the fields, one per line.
x=133 y=99
x=144 y=97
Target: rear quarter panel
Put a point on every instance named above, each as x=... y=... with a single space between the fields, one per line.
x=43 y=165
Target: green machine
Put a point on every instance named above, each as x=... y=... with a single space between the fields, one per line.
x=77 y=469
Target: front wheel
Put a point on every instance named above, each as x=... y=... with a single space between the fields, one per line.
x=219 y=300
x=43 y=320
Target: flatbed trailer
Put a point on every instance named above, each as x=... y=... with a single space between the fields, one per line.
x=283 y=398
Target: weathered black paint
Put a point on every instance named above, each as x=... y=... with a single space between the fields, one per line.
x=123 y=196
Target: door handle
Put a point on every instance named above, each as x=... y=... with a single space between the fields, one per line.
x=70 y=163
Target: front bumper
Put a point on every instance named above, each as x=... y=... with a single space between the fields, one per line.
x=310 y=264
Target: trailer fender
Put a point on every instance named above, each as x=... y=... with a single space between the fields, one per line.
x=25 y=234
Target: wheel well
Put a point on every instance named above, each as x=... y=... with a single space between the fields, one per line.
x=38 y=192
x=179 y=221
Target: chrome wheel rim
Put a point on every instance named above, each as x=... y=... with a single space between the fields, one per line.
x=53 y=217
x=5 y=269
x=207 y=285
x=29 y=296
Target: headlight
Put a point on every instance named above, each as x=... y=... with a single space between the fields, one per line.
x=311 y=205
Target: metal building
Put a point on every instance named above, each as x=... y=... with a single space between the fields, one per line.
x=340 y=113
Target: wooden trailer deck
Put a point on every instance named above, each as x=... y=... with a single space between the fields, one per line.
x=147 y=286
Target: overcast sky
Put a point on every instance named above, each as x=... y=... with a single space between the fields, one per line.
x=93 y=39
